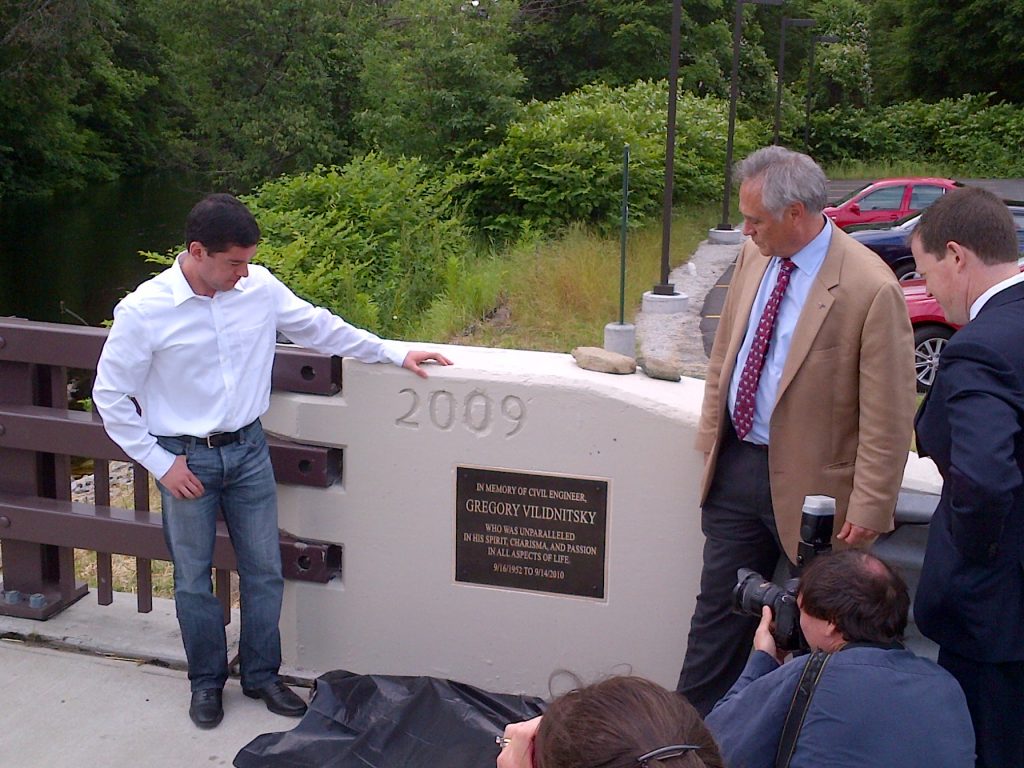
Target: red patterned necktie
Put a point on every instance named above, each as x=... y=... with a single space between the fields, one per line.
x=746 y=393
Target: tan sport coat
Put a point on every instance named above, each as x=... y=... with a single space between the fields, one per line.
x=844 y=414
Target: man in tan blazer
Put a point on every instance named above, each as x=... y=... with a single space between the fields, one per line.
x=829 y=412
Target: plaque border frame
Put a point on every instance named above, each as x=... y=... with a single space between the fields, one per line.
x=566 y=595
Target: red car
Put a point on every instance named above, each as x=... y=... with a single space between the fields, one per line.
x=888 y=199
x=931 y=328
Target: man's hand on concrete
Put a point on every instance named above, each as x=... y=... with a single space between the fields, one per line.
x=763 y=639
x=856 y=536
x=417 y=356
x=518 y=749
x=180 y=481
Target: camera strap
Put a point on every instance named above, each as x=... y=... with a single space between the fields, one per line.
x=813 y=670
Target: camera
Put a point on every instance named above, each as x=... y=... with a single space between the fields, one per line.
x=752 y=591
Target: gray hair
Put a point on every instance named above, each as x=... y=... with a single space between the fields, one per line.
x=788 y=177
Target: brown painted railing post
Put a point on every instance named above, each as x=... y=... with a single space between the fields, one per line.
x=38 y=580
x=39 y=525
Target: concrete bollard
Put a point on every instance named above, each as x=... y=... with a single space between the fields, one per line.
x=621 y=338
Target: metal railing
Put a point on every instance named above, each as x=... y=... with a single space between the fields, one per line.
x=40 y=526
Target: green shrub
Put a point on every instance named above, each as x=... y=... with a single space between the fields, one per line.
x=562 y=162
x=438 y=81
x=372 y=241
x=967 y=134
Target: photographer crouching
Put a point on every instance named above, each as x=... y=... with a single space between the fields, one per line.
x=860 y=698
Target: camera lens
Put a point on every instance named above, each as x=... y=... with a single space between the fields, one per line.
x=752 y=592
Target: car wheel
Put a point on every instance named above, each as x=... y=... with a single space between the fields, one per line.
x=929 y=341
x=906 y=271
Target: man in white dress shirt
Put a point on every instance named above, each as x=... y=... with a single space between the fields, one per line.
x=181 y=383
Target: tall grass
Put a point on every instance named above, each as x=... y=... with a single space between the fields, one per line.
x=556 y=294
x=855 y=169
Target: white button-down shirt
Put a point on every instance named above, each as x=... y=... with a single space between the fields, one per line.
x=982 y=300
x=199 y=365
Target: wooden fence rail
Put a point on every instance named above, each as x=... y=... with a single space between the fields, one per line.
x=40 y=526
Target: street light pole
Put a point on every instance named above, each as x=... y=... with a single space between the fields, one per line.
x=737 y=26
x=665 y=288
x=815 y=39
x=786 y=22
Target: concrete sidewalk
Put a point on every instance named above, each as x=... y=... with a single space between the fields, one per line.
x=123 y=702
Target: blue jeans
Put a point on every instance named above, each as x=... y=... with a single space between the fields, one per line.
x=239 y=481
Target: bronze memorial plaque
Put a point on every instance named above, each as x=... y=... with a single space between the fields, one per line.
x=545 y=533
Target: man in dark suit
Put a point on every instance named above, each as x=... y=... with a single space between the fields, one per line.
x=971 y=596
x=809 y=390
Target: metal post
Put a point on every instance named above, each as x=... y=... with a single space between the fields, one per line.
x=733 y=94
x=737 y=26
x=620 y=337
x=786 y=22
x=778 y=86
x=665 y=288
x=810 y=84
x=622 y=239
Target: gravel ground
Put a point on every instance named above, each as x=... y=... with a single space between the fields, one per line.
x=678 y=335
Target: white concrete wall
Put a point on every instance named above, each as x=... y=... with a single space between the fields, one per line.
x=398 y=609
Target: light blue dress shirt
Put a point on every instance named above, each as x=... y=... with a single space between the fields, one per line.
x=808 y=261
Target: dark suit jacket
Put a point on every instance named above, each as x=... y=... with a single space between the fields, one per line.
x=970 y=599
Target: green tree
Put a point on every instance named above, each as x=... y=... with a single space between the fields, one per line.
x=562 y=45
x=562 y=161
x=73 y=103
x=889 y=49
x=966 y=46
x=842 y=69
x=757 y=75
x=266 y=84
x=438 y=80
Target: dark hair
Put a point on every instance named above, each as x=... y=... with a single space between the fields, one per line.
x=862 y=595
x=611 y=723
x=219 y=221
x=972 y=217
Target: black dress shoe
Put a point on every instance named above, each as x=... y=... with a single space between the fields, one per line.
x=279 y=698
x=206 y=709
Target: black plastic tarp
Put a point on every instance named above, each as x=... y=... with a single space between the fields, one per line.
x=384 y=721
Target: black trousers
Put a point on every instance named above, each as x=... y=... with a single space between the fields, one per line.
x=739 y=528
x=995 y=698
